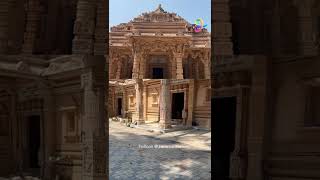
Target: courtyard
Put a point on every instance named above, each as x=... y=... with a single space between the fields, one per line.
x=140 y=154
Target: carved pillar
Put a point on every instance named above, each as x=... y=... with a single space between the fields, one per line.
x=238 y=159
x=173 y=65
x=207 y=65
x=100 y=35
x=275 y=30
x=222 y=30
x=190 y=102
x=49 y=127
x=12 y=92
x=142 y=66
x=139 y=101
x=307 y=44
x=124 y=102
x=4 y=25
x=84 y=27
x=33 y=10
x=178 y=58
x=136 y=62
x=257 y=145
x=113 y=65
x=119 y=65
x=165 y=105
x=94 y=141
x=197 y=73
x=145 y=102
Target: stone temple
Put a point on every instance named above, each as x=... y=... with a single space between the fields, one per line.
x=52 y=89
x=165 y=103
x=159 y=45
x=266 y=89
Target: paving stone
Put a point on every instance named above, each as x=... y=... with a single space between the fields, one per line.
x=128 y=161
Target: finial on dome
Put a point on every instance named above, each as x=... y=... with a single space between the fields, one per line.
x=159 y=9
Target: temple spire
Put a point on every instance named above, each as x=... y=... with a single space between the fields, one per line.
x=160 y=9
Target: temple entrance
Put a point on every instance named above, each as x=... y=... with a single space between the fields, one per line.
x=157 y=67
x=157 y=73
x=119 y=107
x=224 y=119
x=177 y=105
x=34 y=141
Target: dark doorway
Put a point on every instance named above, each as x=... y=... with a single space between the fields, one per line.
x=224 y=119
x=177 y=105
x=119 y=106
x=157 y=73
x=34 y=141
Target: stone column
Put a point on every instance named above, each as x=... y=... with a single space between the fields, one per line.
x=139 y=101
x=190 y=102
x=257 y=145
x=12 y=92
x=119 y=65
x=100 y=30
x=307 y=39
x=207 y=65
x=84 y=28
x=113 y=65
x=142 y=66
x=33 y=10
x=178 y=58
x=49 y=127
x=238 y=160
x=124 y=102
x=94 y=141
x=4 y=25
x=165 y=105
x=222 y=31
x=136 y=62
x=197 y=73
x=276 y=30
x=145 y=102
x=173 y=67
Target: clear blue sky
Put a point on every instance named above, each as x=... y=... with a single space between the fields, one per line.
x=122 y=11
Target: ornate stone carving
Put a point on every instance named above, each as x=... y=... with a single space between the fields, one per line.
x=157 y=41
x=63 y=64
x=84 y=27
x=238 y=167
x=159 y=15
x=165 y=108
x=23 y=67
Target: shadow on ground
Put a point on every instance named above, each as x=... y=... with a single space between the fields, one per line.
x=129 y=161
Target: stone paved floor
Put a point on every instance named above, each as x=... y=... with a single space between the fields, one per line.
x=191 y=159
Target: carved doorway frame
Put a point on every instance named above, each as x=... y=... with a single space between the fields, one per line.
x=238 y=158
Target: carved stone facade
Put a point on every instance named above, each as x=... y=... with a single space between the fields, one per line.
x=52 y=89
x=159 y=45
x=266 y=68
x=166 y=102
